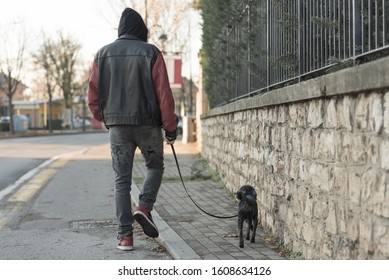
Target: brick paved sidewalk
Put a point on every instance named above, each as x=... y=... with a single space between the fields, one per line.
x=209 y=237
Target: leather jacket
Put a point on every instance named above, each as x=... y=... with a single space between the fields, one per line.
x=129 y=85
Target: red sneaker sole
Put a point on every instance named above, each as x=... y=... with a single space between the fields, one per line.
x=148 y=226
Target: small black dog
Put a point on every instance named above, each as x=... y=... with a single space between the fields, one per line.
x=248 y=211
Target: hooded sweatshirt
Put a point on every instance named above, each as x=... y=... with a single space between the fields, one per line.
x=131 y=23
x=129 y=84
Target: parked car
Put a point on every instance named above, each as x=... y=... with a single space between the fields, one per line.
x=20 y=123
x=5 y=119
x=77 y=123
x=5 y=123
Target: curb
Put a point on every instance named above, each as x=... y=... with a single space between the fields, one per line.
x=168 y=238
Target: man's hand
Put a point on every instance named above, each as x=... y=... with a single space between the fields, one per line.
x=170 y=137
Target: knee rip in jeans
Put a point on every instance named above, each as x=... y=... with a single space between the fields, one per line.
x=154 y=160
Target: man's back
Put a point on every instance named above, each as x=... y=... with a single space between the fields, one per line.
x=125 y=82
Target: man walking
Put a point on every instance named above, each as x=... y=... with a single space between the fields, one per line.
x=129 y=91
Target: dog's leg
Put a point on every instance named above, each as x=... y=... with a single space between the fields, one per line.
x=255 y=223
x=240 y=228
x=250 y=226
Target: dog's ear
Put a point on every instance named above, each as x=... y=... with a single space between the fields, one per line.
x=239 y=195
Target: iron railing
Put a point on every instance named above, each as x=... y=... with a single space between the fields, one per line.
x=277 y=42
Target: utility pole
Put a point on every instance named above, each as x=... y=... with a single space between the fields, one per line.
x=146 y=15
x=190 y=72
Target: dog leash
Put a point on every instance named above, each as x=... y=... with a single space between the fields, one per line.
x=186 y=190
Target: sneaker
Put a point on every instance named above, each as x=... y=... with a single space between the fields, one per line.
x=143 y=216
x=126 y=243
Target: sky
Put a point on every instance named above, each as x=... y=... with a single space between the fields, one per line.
x=82 y=19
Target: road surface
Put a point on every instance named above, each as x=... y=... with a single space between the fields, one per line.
x=64 y=208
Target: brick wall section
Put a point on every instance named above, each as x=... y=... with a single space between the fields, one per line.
x=320 y=165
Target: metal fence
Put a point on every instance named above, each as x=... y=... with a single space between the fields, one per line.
x=277 y=42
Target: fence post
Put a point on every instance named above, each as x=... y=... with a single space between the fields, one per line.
x=267 y=44
x=357 y=28
x=300 y=56
x=385 y=22
x=248 y=47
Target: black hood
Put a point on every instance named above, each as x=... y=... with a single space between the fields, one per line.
x=131 y=23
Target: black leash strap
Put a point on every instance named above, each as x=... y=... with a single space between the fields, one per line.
x=198 y=206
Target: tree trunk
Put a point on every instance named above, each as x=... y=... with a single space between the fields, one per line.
x=50 y=114
x=11 y=117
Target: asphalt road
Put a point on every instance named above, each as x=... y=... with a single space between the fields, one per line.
x=20 y=155
x=65 y=209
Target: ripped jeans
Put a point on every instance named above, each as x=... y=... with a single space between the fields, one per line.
x=124 y=141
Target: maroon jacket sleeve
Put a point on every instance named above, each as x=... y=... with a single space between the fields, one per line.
x=93 y=98
x=164 y=94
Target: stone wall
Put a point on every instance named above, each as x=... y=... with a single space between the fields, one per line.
x=318 y=155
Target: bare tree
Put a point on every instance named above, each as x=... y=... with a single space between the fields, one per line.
x=42 y=60
x=64 y=58
x=58 y=58
x=11 y=65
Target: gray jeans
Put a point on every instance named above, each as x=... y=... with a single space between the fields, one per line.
x=124 y=141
